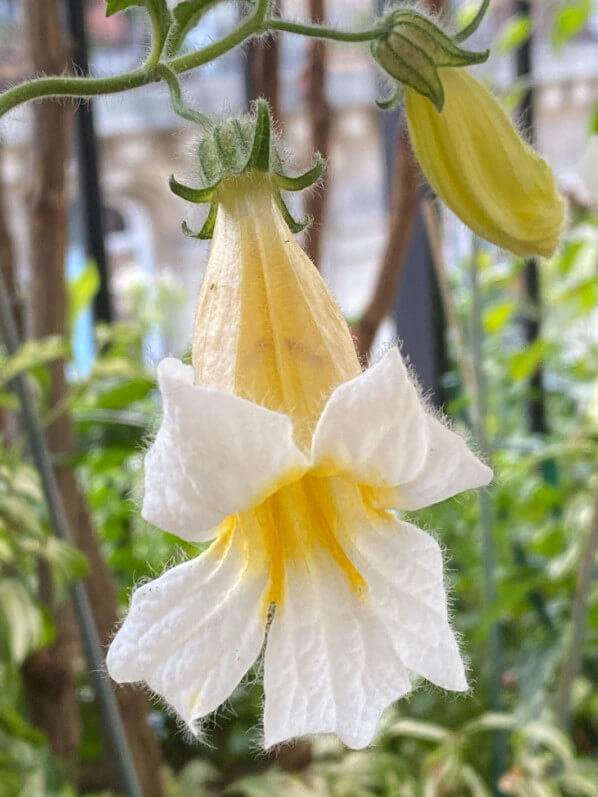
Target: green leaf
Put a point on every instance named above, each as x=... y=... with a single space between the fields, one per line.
x=569 y=20
x=570 y=252
x=491 y=721
x=23 y=521
x=31 y=354
x=9 y=400
x=581 y=784
x=130 y=391
x=471 y=18
x=121 y=367
x=513 y=34
x=186 y=16
x=22 y=620
x=497 y=316
x=81 y=291
x=114 y=6
x=157 y=9
x=511 y=594
x=415 y=729
x=524 y=363
x=551 y=737
x=68 y=562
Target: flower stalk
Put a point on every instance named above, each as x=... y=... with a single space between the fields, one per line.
x=255 y=24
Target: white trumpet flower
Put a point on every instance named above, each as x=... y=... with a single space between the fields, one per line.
x=279 y=448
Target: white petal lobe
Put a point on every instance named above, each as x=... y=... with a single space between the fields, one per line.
x=330 y=666
x=373 y=427
x=403 y=568
x=449 y=469
x=193 y=633
x=214 y=455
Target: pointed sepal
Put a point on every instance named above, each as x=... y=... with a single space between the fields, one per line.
x=196 y=195
x=441 y=49
x=412 y=50
x=288 y=183
x=237 y=147
x=260 y=151
x=293 y=225
x=208 y=226
x=207 y=230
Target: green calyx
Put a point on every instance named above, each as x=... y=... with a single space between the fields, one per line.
x=241 y=146
x=413 y=49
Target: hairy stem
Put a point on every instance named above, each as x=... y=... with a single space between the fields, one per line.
x=64 y=86
x=252 y=25
x=320 y=122
x=256 y=23
x=176 y=98
x=322 y=32
x=158 y=39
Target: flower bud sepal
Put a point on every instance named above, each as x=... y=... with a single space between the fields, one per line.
x=412 y=50
x=240 y=146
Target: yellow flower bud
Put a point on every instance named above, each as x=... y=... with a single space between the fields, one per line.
x=482 y=169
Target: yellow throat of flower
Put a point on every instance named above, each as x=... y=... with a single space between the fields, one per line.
x=267 y=328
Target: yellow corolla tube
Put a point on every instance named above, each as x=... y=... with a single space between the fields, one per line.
x=267 y=328
x=479 y=165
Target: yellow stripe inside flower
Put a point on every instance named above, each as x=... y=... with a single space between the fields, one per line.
x=482 y=169
x=294 y=523
x=268 y=330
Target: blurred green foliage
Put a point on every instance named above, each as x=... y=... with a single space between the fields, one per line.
x=26 y=765
x=515 y=32
x=432 y=743
x=570 y=19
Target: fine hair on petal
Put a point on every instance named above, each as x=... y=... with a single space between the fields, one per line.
x=450 y=601
x=426 y=399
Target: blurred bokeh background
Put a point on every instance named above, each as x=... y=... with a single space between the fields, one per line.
x=103 y=284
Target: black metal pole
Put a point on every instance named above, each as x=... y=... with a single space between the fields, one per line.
x=536 y=408
x=87 y=156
